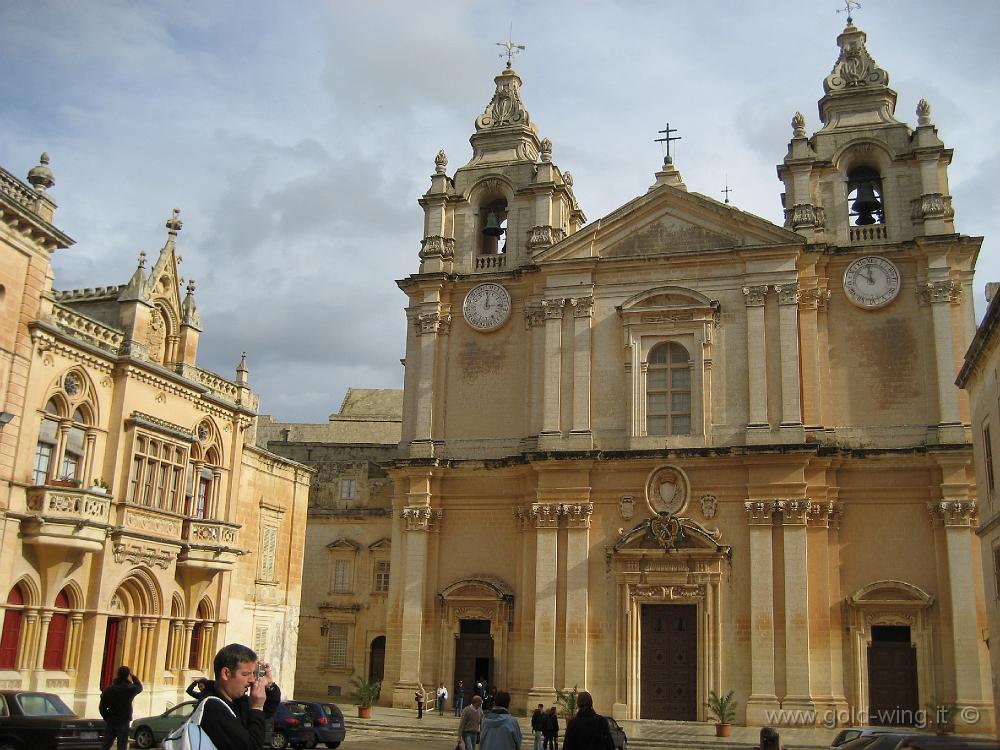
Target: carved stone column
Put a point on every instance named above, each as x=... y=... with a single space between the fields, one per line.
x=418 y=521
x=756 y=358
x=959 y=519
x=942 y=295
x=577 y=584
x=44 y=619
x=543 y=676
x=788 y=320
x=552 y=366
x=73 y=641
x=825 y=627
x=583 y=311
x=798 y=688
x=90 y=440
x=762 y=700
x=430 y=325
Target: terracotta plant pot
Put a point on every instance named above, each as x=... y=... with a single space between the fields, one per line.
x=364 y=712
x=722 y=730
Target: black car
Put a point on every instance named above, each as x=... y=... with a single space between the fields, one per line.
x=328 y=724
x=293 y=725
x=41 y=720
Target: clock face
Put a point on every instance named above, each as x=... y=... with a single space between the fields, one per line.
x=487 y=307
x=871 y=282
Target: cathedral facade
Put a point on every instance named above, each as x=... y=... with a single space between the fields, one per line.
x=681 y=449
x=139 y=524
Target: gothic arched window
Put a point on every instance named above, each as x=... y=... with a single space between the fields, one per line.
x=668 y=390
x=11 y=633
x=55 y=641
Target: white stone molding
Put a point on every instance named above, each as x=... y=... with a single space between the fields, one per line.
x=709 y=505
x=437 y=246
x=578 y=515
x=814 y=299
x=760 y=512
x=788 y=293
x=552 y=309
x=939 y=292
x=433 y=323
x=583 y=307
x=794 y=512
x=754 y=296
x=931 y=206
x=954 y=513
x=545 y=515
x=669 y=593
x=421 y=518
x=824 y=515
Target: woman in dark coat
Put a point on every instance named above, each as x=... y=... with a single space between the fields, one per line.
x=550 y=729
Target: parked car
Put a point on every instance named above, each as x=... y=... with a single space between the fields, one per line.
x=934 y=742
x=618 y=735
x=328 y=724
x=41 y=720
x=848 y=734
x=151 y=730
x=876 y=741
x=293 y=726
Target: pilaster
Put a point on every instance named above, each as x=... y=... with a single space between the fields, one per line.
x=942 y=295
x=757 y=421
x=762 y=700
x=431 y=323
x=552 y=369
x=577 y=584
x=798 y=687
x=545 y=518
x=791 y=403
x=583 y=308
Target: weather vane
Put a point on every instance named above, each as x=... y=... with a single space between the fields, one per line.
x=849 y=5
x=667 y=138
x=510 y=48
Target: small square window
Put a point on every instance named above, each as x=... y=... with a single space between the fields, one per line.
x=348 y=489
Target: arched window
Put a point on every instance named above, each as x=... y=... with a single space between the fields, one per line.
x=493 y=228
x=197 y=639
x=55 y=641
x=11 y=629
x=668 y=390
x=864 y=197
x=73 y=452
x=48 y=438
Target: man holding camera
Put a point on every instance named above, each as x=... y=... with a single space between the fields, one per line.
x=249 y=695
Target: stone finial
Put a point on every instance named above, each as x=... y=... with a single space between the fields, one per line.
x=41 y=177
x=189 y=311
x=568 y=178
x=142 y=259
x=798 y=125
x=242 y=373
x=440 y=162
x=545 y=150
x=174 y=223
x=855 y=68
x=923 y=113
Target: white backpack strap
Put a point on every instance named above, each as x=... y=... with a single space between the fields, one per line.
x=200 y=710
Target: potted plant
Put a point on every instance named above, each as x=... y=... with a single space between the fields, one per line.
x=100 y=487
x=567 y=701
x=65 y=482
x=366 y=692
x=723 y=708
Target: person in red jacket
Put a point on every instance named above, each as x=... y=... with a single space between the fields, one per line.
x=116 y=707
x=248 y=696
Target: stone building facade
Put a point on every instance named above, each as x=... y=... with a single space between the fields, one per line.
x=978 y=376
x=139 y=524
x=342 y=631
x=682 y=449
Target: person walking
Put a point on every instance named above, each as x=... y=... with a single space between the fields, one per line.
x=247 y=696
x=587 y=730
x=500 y=730
x=116 y=707
x=470 y=723
x=442 y=696
x=459 y=698
x=538 y=725
x=550 y=729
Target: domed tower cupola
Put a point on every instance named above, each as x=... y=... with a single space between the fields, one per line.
x=865 y=178
x=508 y=202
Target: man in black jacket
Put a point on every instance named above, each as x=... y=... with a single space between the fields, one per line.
x=116 y=707
x=587 y=730
x=237 y=722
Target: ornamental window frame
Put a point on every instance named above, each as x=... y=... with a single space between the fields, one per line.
x=65 y=447
x=157 y=471
x=657 y=317
x=343 y=566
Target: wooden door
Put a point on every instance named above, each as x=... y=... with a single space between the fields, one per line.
x=473 y=656
x=110 y=665
x=668 y=672
x=892 y=684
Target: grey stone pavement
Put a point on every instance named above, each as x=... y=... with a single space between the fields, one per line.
x=641 y=734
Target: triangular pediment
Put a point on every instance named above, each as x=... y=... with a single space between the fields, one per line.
x=670 y=221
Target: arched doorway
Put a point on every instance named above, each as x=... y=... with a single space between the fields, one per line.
x=376 y=662
x=130 y=634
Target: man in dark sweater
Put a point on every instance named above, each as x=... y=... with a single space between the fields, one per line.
x=588 y=730
x=237 y=721
x=116 y=707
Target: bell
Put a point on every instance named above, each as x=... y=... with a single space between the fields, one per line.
x=492 y=228
x=866 y=204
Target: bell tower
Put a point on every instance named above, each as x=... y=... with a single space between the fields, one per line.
x=864 y=177
x=507 y=203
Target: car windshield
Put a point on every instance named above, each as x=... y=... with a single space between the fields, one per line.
x=182 y=711
x=42 y=704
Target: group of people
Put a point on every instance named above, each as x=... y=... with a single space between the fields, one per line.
x=244 y=686
x=545 y=727
x=497 y=729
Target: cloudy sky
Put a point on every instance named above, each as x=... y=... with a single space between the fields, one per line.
x=296 y=138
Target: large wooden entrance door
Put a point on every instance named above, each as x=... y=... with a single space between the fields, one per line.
x=892 y=677
x=669 y=662
x=376 y=665
x=473 y=655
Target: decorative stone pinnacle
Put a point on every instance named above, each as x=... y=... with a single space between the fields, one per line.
x=545 y=150
x=440 y=162
x=41 y=177
x=142 y=259
x=174 y=223
x=923 y=113
x=798 y=125
x=568 y=178
x=190 y=287
x=855 y=67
